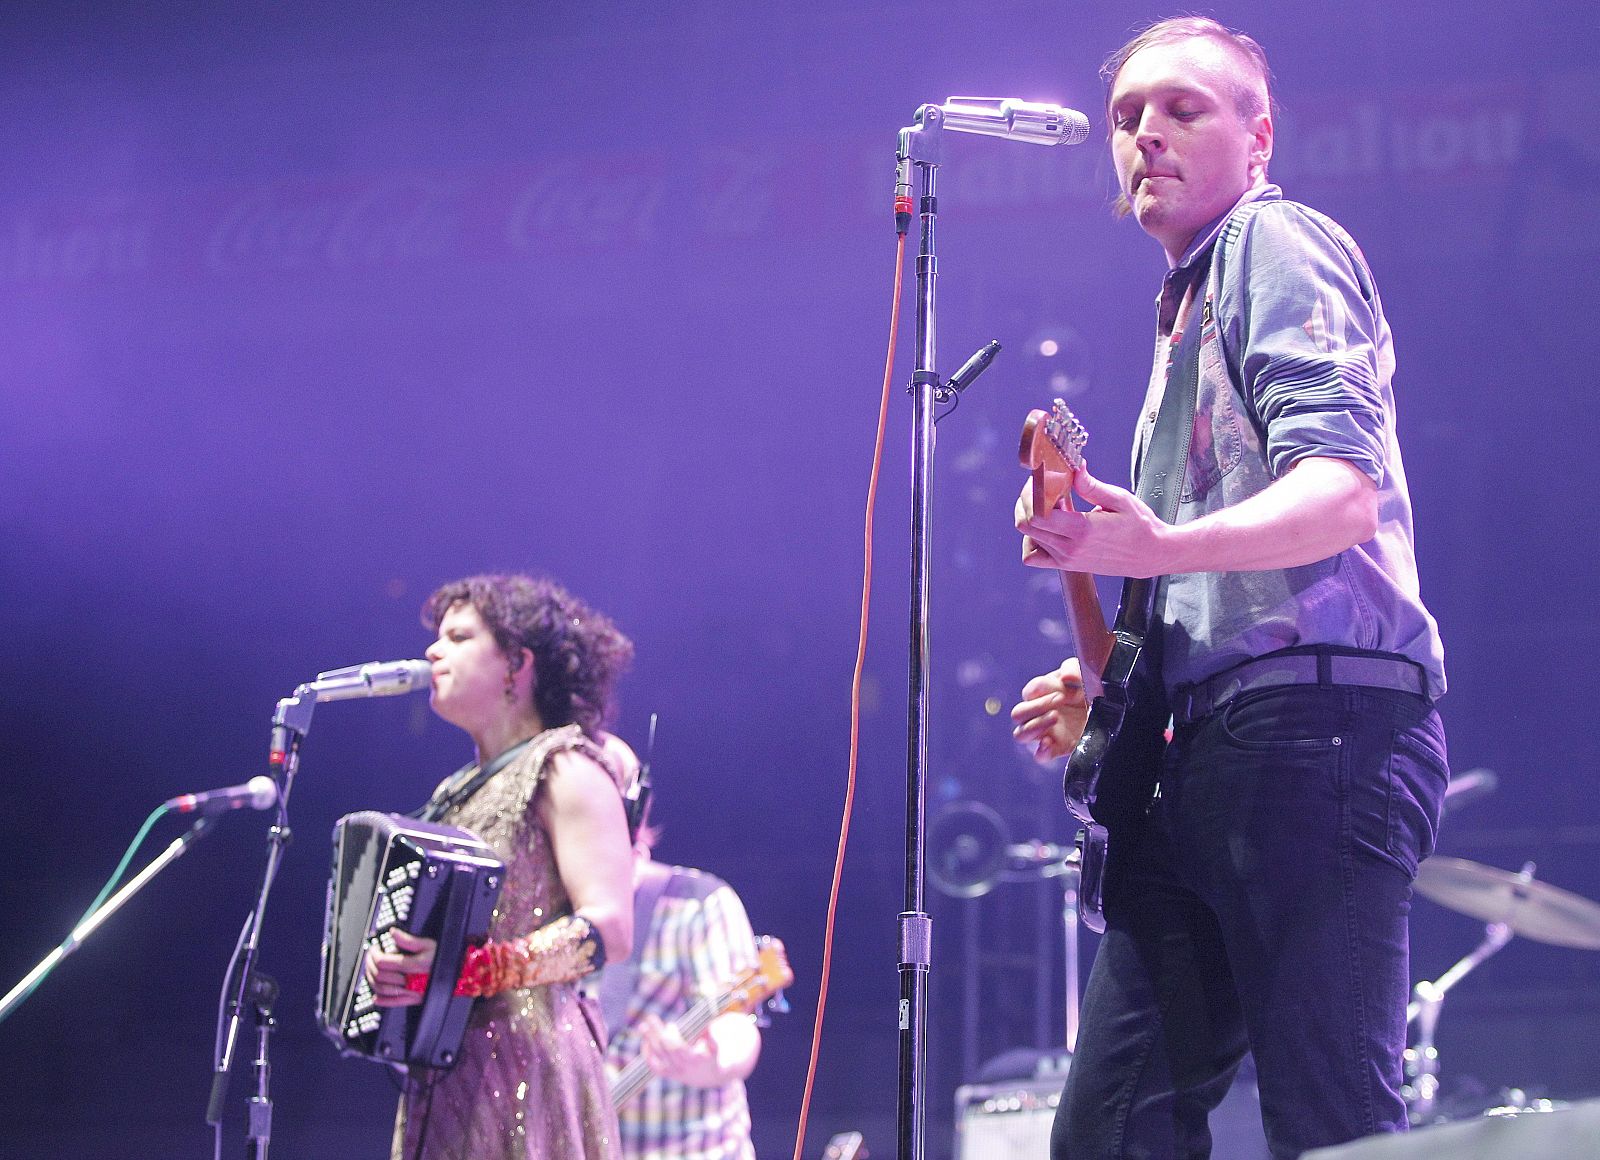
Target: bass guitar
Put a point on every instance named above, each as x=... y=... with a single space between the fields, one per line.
x=762 y=982
x=1111 y=772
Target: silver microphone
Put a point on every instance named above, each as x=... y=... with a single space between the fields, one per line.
x=1030 y=121
x=259 y=793
x=376 y=679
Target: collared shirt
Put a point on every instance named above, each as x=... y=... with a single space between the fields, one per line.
x=699 y=944
x=1295 y=361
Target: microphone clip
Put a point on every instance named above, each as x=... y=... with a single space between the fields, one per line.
x=949 y=390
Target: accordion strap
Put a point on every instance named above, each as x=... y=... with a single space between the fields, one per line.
x=465 y=782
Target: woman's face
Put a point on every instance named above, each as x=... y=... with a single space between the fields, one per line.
x=469 y=670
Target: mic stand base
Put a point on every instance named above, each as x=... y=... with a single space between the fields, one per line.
x=264 y=992
x=243 y=983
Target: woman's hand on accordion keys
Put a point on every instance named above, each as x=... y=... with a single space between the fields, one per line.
x=398 y=980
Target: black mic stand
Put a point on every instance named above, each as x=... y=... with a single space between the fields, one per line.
x=920 y=145
x=243 y=984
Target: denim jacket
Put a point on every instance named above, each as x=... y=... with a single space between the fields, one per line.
x=1295 y=361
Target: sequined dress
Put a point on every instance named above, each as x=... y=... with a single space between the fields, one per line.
x=530 y=1080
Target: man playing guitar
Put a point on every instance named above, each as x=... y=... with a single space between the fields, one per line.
x=1257 y=901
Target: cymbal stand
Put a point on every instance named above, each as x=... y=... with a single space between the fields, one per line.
x=1421 y=1089
x=1069 y=870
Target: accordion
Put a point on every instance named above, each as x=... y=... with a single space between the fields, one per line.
x=390 y=872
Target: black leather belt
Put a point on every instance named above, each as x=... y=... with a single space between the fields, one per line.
x=1192 y=702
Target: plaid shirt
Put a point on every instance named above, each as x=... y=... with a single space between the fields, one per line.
x=699 y=942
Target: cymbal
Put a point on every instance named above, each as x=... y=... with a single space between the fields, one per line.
x=1531 y=908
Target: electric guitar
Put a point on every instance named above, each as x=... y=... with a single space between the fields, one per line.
x=762 y=982
x=1111 y=773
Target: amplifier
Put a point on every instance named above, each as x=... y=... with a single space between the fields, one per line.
x=1009 y=1120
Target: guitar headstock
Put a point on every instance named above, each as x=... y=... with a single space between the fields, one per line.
x=1053 y=441
x=770 y=975
x=1052 y=449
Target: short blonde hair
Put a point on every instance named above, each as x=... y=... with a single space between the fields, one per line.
x=1247 y=98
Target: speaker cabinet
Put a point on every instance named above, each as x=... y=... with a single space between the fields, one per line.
x=1011 y=1120
x=1007 y=1120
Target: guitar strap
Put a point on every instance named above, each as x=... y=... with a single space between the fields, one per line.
x=618 y=980
x=1161 y=467
x=1165 y=460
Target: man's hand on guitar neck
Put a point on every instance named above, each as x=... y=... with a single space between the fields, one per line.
x=1317 y=509
x=1120 y=537
x=726 y=1051
x=1052 y=712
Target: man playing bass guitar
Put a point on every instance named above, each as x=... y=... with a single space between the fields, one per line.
x=1257 y=900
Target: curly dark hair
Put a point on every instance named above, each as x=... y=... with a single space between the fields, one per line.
x=578 y=653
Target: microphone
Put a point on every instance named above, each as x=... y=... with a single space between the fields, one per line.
x=1029 y=121
x=259 y=793
x=377 y=679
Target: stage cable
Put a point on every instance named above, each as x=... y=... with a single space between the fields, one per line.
x=855 y=699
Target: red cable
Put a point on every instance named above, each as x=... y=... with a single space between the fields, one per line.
x=855 y=702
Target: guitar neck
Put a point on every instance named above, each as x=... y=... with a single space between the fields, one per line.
x=632 y=1079
x=1087 y=622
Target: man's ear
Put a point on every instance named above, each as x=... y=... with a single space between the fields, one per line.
x=1260 y=142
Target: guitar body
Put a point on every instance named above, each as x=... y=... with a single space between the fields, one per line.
x=1112 y=771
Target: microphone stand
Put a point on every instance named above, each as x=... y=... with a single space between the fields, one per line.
x=91 y=922
x=243 y=983
x=921 y=145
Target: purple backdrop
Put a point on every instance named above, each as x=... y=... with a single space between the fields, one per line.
x=308 y=311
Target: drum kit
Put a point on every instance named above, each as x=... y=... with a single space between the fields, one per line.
x=1509 y=903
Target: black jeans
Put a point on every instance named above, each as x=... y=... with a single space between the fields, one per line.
x=1263 y=907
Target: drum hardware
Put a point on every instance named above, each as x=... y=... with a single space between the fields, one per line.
x=1421 y=1089
x=1533 y=909
x=1468 y=787
x=973 y=852
x=1517 y=1104
x=1511 y=903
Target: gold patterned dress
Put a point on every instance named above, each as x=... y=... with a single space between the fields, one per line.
x=530 y=1079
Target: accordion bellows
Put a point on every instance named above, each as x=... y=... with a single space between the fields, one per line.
x=391 y=871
